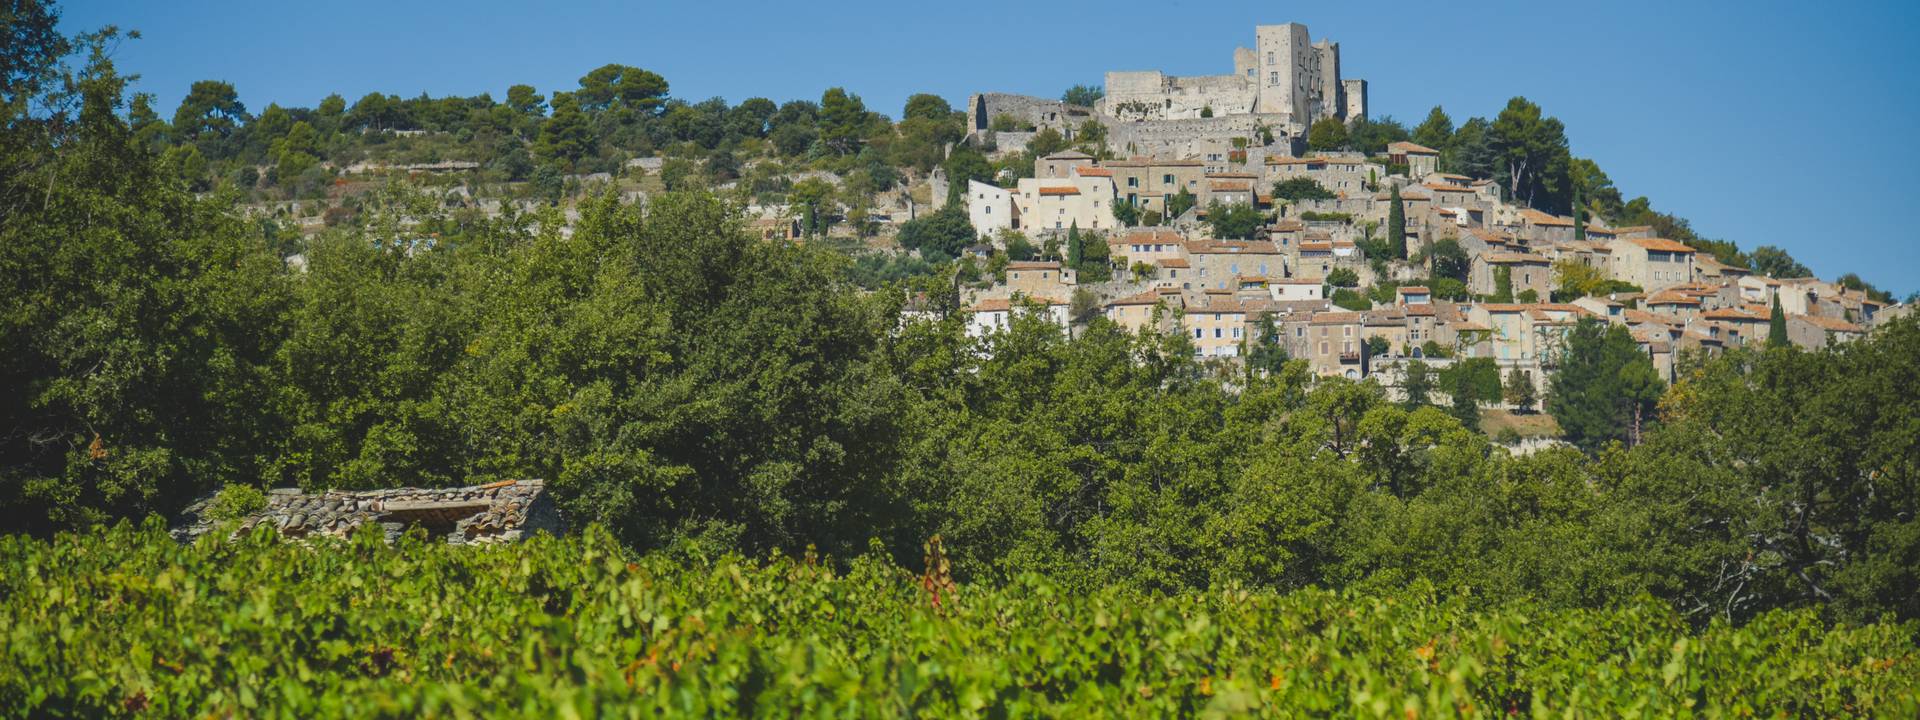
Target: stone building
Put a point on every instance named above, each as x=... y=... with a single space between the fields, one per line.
x=505 y=511
x=1285 y=77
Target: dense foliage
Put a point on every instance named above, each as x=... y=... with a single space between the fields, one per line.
x=129 y=623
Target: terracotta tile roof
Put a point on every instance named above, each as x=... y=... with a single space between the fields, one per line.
x=1447 y=188
x=1059 y=191
x=1145 y=298
x=1662 y=245
x=1829 y=324
x=1229 y=187
x=1154 y=236
x=1734 y=315
x=1034 y=265
x=1172 y=263
x=1090 y=171
x=1414 y=290
x=1539 y=218
x=1407 y=147
x=1335 y=318
x=1503 y=258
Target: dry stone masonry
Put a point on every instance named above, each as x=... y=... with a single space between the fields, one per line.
x=505 y=511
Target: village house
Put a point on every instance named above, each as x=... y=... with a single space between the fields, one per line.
x=1419 y=159
x=996 y=315
x=1218 y=325
x=1040 y=278
x=1738 y=327
x=1526 y=271
x=1218 y=264
x=1149 y=182
x=1814 y=332
x=1296 y=289
x=1155 y=309
x=1344 y=176
x=1062 y=164
x=1328 y=341
x=1083 y=199
x=1654 y=264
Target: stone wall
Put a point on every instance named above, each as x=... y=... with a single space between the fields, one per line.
x=1032 y=112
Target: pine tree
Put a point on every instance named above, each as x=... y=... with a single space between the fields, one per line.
x=1777 y=326
x=1397 y=226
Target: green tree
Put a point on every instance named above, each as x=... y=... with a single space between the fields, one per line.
x=943 y=233
x=618 y=87
x=1396 y=226
x=1777 y=326
x=1436 y=131
x=211 y=107
x=1417 y=384
x=1178 y=204
x=1502 y=284
x=1073 y=245
x=927 y=107
x=1301 y=188
x=1532 y=149
x=1519 y=391
x=1605 y=386
x=1046 y=142
x=1126 y=213
x=1343 y=277
x=566 y=137
x=1446 y=259
x=1776 y=263
x=1327 y=134
x=1082 y=95
x=1236 y=221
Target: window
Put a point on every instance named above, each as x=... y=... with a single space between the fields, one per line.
x=1132 y=182
x=989 y=210
x=1196 y=333
x=1323 y=348
x=1236 y=333
x=1167 y=178
x=1216 y=332
x=1273 y=78
x=1269 y=58
x=1347 y=331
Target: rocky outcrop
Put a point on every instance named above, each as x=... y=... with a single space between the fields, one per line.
x=505 y=511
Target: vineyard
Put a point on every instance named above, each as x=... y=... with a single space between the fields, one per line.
x=127 y=622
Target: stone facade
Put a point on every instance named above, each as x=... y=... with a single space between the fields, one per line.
x=1285 y=78
x=506 y=511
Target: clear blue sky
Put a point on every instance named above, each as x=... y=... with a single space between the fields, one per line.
x=1767 y=123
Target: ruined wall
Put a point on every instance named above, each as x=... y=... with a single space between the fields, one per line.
x=1034 y=112
x=1353 y=99
x=1184 y=138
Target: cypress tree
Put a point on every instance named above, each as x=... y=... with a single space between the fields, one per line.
x=1397 y=226
x=1777 y=326
x=1579 y=216
x=1073 y=245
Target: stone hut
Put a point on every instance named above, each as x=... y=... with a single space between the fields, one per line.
x=505 y=511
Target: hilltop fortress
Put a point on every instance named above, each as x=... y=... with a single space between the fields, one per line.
x=1284 y=77
x=1277 y=89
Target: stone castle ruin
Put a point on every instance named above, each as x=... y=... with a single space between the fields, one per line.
x=1277 y=89
x=505 y=511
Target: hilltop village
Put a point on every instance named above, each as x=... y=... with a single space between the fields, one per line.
x=1356 y=262
x=1257 y=212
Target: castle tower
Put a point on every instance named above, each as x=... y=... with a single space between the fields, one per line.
x=1283 y=52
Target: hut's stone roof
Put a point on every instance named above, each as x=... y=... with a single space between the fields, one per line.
x=504 y=511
